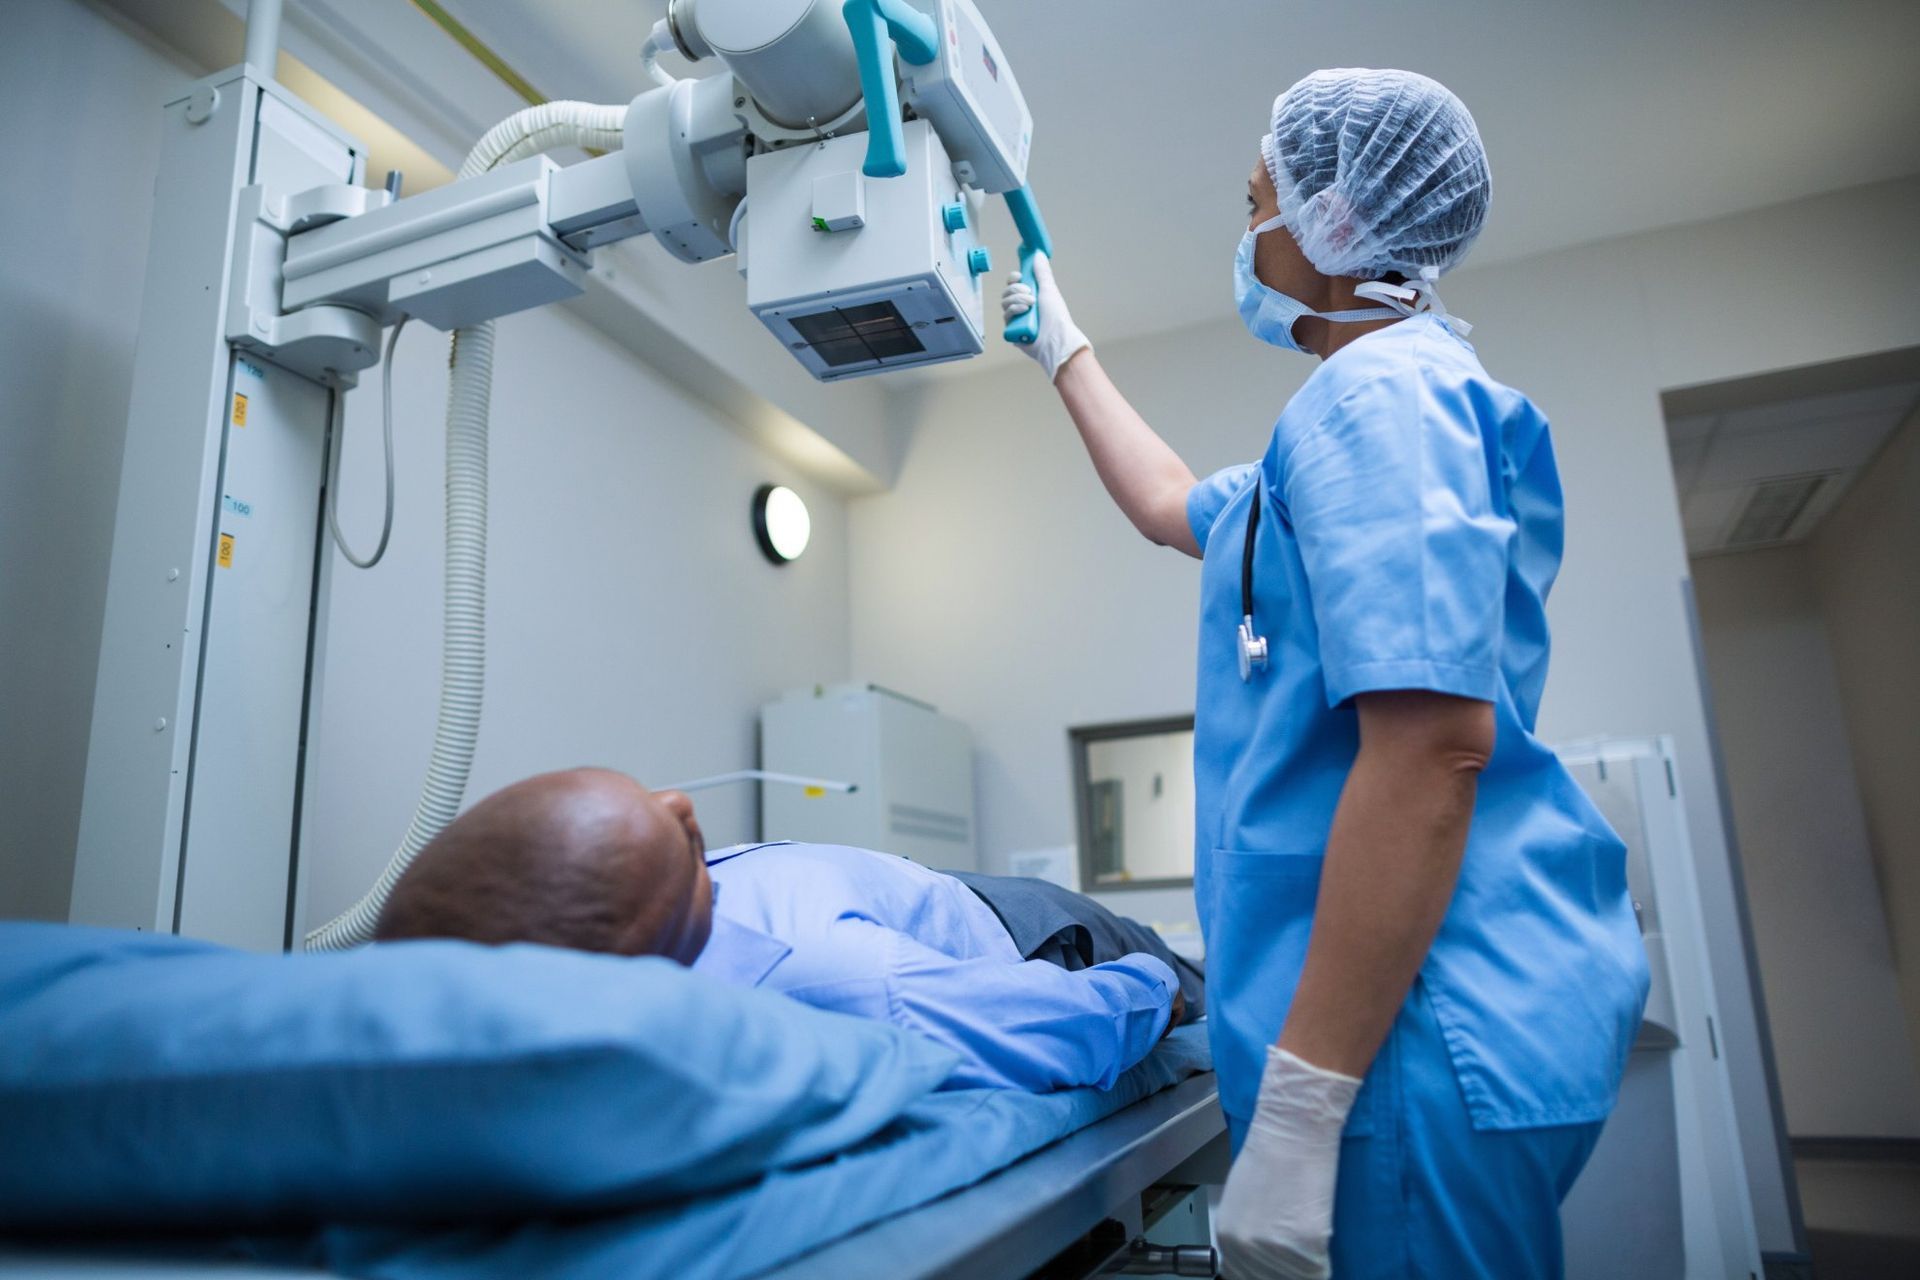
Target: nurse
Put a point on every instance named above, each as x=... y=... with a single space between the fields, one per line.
x=1424 y=965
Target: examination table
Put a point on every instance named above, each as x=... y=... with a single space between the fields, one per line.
x=886 y=1178
x=972 y=1185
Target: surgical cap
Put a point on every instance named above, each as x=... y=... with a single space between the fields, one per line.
x=1377 y=171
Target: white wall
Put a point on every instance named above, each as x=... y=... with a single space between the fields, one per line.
x=997 y=580
x=1868 y=560
x=1820 y=927
x=633 y=621
x=81 y=99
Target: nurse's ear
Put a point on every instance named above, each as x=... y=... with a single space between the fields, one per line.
x=1263 y=200
x=1280 y=266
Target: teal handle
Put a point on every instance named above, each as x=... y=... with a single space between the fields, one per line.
x=878 y=27
x=1027 y=220
x=1025 y=329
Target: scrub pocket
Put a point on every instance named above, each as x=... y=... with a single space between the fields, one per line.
x=1262 y=912
x=1432 y=1197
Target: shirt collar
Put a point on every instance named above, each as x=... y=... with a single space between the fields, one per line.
x=739 y=955
x=717 y=856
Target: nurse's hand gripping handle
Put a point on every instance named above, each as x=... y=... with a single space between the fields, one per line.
x=1025 y=329
x=878 y=27
x=1059 y=340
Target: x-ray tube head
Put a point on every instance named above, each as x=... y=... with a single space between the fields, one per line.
x=795 y=57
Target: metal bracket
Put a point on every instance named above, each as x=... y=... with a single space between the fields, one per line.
x=592 y=203
x=318 y=206
x=329 y=344
x=458 y=255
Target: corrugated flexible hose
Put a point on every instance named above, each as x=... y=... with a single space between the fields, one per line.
x=463 y=659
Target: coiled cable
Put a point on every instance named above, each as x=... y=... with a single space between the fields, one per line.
x=463 y=655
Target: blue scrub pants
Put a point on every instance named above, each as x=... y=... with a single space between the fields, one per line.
x=1422 y=1193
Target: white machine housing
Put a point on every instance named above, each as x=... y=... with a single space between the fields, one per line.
x=772 y=151
x=794 y=62
x=894 y=288
x=913 y=768
x=972 y=99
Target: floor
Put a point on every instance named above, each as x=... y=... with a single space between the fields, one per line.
x=1863 y=1218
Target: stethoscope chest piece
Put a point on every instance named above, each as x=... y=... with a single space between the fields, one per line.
x=1253 y=650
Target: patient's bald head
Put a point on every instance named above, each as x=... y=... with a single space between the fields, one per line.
x=587 y=859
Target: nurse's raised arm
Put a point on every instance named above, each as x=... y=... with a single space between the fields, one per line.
x=1146 y=478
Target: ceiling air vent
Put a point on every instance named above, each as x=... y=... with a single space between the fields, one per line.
x=1773 y=508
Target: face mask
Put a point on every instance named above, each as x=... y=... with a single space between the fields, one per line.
x=1269 y=314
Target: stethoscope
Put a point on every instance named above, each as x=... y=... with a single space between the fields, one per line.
x=1253 y=648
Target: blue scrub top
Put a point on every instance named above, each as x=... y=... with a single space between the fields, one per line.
x=1411 y=532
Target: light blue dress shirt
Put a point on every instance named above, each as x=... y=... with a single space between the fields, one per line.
x=882 y=937
x=1411 y=530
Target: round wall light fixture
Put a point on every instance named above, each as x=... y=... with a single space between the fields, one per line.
x=781 y=523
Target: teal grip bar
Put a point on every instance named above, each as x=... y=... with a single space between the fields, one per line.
x=913 y=31
x=1025 y=329
x=1027 y=220
x=878 y=27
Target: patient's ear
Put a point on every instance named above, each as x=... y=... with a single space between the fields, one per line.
x=680 y=805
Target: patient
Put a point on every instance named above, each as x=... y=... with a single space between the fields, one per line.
x=1035 y=987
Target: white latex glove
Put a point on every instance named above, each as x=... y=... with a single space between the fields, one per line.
x=1060 y=339
x=1276 y=1214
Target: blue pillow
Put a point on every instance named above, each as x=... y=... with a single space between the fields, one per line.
x=148 y=1080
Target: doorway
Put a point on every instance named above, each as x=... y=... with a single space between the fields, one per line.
x=1800 y=497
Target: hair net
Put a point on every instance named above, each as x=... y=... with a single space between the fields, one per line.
x=1378 y=171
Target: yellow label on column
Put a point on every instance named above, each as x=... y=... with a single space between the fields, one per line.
x=225 y=558
x=239 y=410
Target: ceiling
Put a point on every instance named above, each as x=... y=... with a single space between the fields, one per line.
x=1767 y=474
x=1602 y=119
